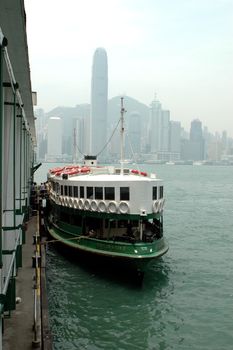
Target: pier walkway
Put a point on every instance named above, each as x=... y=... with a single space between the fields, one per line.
x=19 y=331
x=18 y=328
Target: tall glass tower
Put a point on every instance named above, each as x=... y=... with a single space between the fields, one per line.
x=99 y=101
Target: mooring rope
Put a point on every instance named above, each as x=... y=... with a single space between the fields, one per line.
x=58 y=240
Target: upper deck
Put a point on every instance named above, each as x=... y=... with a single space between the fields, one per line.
x=107 y=189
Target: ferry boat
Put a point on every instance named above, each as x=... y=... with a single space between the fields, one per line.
x=109 y=212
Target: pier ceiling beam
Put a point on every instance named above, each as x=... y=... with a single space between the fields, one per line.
x=13 y=37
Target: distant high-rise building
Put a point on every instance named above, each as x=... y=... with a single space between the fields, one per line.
x=196 y=131
x=193 y=149
x=196 y=140
x=159 y=130
x=134 y=133
x=175 y=136
x=155 y=126
x=41 y=129
x=164 y=131
x=54 y=150
x=99 y=100
x=224 y=141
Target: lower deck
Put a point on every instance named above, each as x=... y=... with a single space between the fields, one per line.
x=124 y=228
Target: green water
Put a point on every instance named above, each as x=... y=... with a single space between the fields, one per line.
x=186 y=301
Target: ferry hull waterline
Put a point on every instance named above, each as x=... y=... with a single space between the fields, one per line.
x=132 y=257
x=107 y=213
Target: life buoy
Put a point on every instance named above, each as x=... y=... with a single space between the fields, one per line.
x=134 y=171
x=137 y=172
x=80 y=204
x=143 y=173
x=162 y=204
x=87 y=204
x=71 y=202
x=124 y=208
x=155 y=206
x=75 y=203
x=62 y=201
x=112 y=207
x=58 y=173
x=69 y=167
x=85 y=170
x=102 y=206
x=94 y=205
x=59 y=200
x=55 y=170
x=66 y=201
x=71 y=171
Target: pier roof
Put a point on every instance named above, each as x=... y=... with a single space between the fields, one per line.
x=13 y=26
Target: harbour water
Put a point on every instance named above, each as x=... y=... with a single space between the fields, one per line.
x=186 y=300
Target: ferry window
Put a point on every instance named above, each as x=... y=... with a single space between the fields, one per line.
x=62 y=190
x=98 y=192
x=124 y=193
x=75 y=191
x=90 y=192
x=109 y=193
x=66 y=190
x=70 y=191
x=112 y=223
x=154 y=193
x=122 y=223
x=81 y=192
x=161 y=192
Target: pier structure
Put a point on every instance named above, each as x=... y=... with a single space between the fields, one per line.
x=17 y=165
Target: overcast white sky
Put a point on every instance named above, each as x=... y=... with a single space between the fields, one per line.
x=180 y=49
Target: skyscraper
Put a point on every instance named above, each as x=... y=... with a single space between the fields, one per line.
x=99 y=101
x=193 y=149
x=175 y=133
x=54 y=150
x=196 y=140
x=165 y=125
x=159 y=128
x=155 y=125
x=196 y=131
x=133 y=141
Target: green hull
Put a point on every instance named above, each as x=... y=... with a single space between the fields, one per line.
x=135 y=255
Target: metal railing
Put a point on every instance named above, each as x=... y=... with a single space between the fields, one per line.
x=37 y=314
x=9 y=271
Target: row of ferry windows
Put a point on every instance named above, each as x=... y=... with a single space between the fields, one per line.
x=107 y=193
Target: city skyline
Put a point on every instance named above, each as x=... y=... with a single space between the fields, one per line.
x=151 y=134
x=181 y=51
x=187 y=129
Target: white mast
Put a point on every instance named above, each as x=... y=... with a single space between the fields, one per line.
x=122 y=136
x=74 y=147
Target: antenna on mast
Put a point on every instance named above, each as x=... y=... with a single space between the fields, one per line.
x=122 y=135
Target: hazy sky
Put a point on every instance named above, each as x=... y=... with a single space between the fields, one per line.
x=182 y=50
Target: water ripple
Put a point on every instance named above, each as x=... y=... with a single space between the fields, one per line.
x=186 y=300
